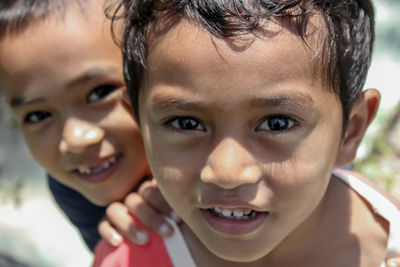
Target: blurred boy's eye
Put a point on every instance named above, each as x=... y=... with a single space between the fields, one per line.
x=100 y=92
x=186 y=123
x=277 y=123
x=36 y=117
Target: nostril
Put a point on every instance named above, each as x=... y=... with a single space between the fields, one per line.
x=206 y=174
x=230 y=178
x=251 y=174
x=63 y=146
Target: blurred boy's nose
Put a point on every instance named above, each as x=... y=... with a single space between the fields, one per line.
x=78 y=135
x=230 y=165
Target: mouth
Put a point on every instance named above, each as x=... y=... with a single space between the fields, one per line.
x=234 y=214
x=234 y=221
x=99 y=172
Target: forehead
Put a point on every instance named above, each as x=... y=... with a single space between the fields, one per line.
x=186 y=54
x=57 y=49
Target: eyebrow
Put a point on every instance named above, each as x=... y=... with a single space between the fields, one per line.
x=85 y=77
x=166 y=101
x=90 y=75
x=294 y=100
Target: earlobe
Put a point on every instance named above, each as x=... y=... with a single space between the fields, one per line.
x=360 y=118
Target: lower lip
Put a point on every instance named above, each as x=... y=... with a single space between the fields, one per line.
x=234 y=227
x=102 y=175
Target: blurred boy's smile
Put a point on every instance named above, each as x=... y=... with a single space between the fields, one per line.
x=98 y=171
x=63 y=79
x=240 y=137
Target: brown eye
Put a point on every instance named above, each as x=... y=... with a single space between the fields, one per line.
x=100 y=92
x=278 y=123
x=36 y=117
x=186 y=123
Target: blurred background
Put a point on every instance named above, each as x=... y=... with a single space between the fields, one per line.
x=35 y=232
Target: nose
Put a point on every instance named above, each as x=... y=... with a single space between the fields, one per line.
x=78 y=135
x=230 y=165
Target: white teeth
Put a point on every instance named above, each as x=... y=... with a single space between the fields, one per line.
x=106 y=164
x=84 y=170
x=238 y=214
x=226 y=213
x=96 y=169
x=247 y=211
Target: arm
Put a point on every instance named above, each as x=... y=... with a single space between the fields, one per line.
x=148 y=204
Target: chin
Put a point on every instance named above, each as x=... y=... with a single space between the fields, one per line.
x=101 y=201
x=238 y=254
x=239 y=257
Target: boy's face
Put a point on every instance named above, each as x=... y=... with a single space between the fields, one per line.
x=63 y=79
x=241 y=136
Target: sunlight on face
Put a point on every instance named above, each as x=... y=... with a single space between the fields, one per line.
x=238 y=132
x=63 y=80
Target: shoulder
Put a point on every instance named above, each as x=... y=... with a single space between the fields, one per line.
x=368 y=221
x=368 y=181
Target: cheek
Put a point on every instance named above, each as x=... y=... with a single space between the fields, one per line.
x=174 y=170
x=43 y=147
x=298 y=186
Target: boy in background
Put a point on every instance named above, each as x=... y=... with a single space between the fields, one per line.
x=246 y=107
x=61 y=73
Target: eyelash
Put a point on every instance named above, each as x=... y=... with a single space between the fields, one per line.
x=105 y=90
x=40 y=116
x=182 y=120
x=288 y=121
x=181 y=123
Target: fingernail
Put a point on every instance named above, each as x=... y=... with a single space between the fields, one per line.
x=142 y=237
x=116 y=239
x=175 y=217
x=165 y=229
x=392 y=264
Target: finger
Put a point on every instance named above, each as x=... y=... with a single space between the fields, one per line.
x=150 y=192
x=147 y=215
x=118 y=215
x=109 y=233
x=394 y=262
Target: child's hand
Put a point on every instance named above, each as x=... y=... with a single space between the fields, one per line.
x=148 y=205
x=393 y=262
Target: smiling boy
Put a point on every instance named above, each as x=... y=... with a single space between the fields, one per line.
x=245 y=108
x=61 y=73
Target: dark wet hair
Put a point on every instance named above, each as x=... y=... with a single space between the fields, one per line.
x=346 y=48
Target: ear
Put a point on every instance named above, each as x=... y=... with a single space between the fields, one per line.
x=360 y=118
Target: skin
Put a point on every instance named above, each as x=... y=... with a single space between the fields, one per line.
x=63 y=80
x=207 y=111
